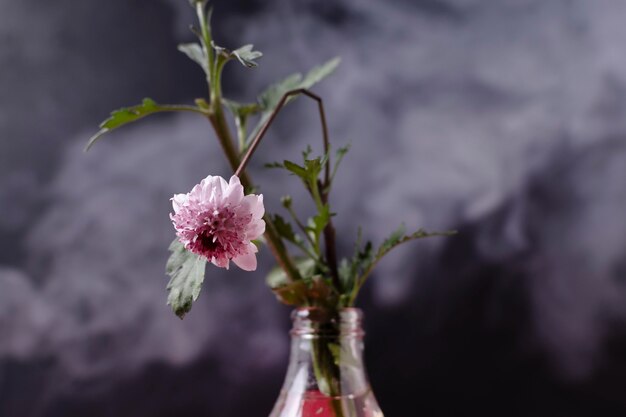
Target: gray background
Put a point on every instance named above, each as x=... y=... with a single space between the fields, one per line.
x=505 y=119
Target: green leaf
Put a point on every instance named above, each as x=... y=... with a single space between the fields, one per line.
x=320 y=72
x=274 y=165
x=269 y=99
x=293 y=293
x=313 y=167
x=321 y=219
x=278 y=278
x=366 y=261
x=296 y=169
x=308 y=173
x=341 y=152
x=196 y=53
x=127 y=115
x=288 y=292
x=130 y=114
x=354 y=272
x=307 y=152
x=186 y=270
x=394 y=239
x=284 y=229
x=399 y=237
x=246 y=56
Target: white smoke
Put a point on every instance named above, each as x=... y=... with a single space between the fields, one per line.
x=452 y=112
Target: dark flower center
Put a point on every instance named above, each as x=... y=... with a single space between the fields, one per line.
x=206 y=240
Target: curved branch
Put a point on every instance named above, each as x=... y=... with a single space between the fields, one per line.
x=257 y=140
x=329 y=231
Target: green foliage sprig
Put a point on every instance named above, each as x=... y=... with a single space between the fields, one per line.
x=315 y=277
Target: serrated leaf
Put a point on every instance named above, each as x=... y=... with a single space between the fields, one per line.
x=246 y=55
x=315 y=166
x=127 y=115
x=398 y=237
x=196 y=53
x=368 y=261
x=394 y=239
x=130 y=114
x=284 y=229
x=269 y=99
x=274 y=165
x=186 y=270
x=321 y=219
x=296 y=169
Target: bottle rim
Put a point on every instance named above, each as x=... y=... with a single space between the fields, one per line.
x=316 y=321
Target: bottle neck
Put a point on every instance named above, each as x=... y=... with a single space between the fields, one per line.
x=327 y=353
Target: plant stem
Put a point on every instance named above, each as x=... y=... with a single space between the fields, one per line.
x=320 y=199
x=301 y=227
x=222 y=131
x=327 y=370
x=205 y=31
x=331 y=247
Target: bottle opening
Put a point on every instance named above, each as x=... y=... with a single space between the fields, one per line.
x=320 y=322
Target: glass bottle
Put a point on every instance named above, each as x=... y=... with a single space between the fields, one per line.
x=326 y=376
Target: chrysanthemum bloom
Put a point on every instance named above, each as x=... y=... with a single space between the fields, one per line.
x=217 y=221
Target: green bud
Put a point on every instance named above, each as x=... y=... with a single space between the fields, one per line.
x=194 y=2
x=200 y=102
x=286 y=201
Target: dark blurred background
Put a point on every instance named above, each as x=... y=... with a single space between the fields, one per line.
x=504 y=119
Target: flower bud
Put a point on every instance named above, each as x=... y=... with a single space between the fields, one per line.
x=286 y=201
x=194 y=2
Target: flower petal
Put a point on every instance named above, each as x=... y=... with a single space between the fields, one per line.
x=234 y=192
x=247 y=262
x=177 y=201
x=255 y=229
x=254 y=205
x=206 y=185
x=222 y=262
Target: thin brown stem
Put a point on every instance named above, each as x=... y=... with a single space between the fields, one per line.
x=329 y=230
x=331 y=253
x=257 y=140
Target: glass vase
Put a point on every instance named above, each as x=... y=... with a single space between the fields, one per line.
x=326 y=376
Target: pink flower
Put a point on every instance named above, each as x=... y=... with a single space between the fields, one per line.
x=217 y=221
